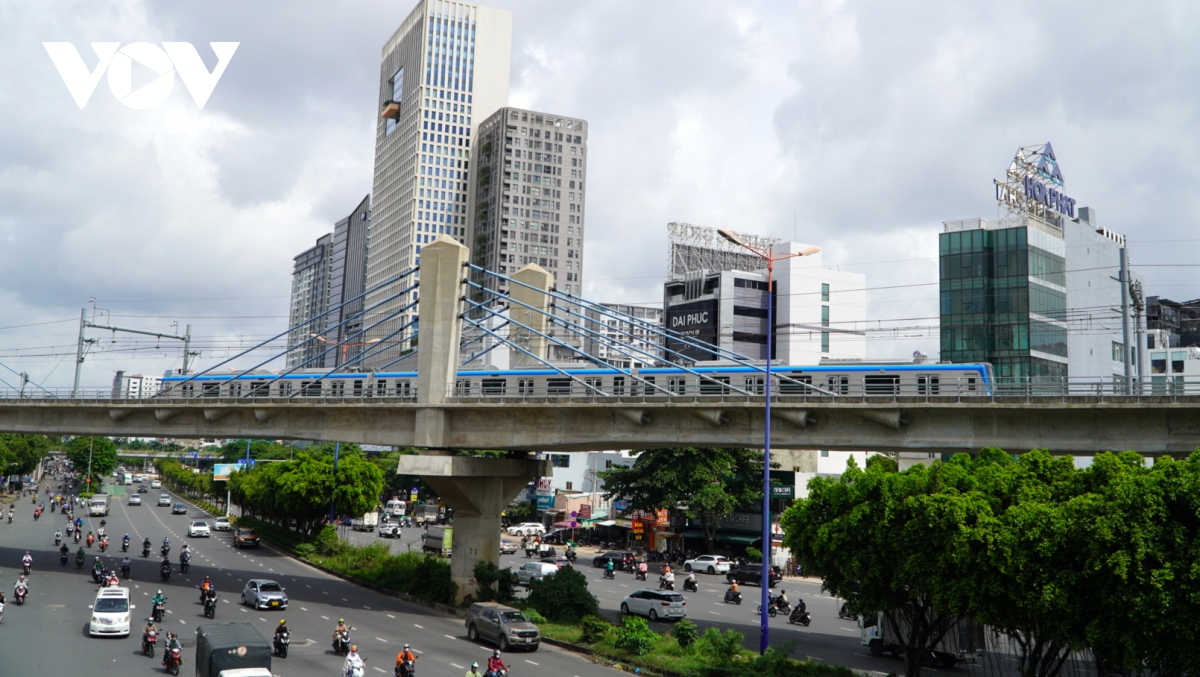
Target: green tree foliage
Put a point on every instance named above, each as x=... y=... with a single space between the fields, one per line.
x=19 y=454
x=563 y=597
x=495 y=584
x=188 y=481
x=235 y=450
x=712 y=482
x=103 y=454
x=635 y=636
x=299 y=491
x=593 y=629
x=686 y=633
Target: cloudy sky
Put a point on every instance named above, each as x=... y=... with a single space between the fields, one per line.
x=861 y=125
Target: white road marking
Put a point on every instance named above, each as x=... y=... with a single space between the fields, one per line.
x=530 y=662
x=375 y=668
x=325 y=618
x=366 y=607
x=418 y=626
x=456 y=665
x=303 y=609
x=449 y=637
x=381 y=640
x=390 y=616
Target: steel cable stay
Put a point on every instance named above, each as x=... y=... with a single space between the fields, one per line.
x=556 y=368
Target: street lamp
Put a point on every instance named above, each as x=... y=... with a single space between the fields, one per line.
x=770 y=257
x=345 y=346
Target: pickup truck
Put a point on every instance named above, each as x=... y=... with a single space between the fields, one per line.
x=751 y=574
x=232 y=650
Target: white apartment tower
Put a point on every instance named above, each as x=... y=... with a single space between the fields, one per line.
x=444 y=70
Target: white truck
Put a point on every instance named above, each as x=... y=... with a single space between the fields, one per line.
x=98 y=505
x=395 y=508
x=438 y=540
x=963 y=643
x=367 y=522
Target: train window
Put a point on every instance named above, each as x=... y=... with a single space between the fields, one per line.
x=840 y=385
x=310 y=388
x=971 y=383
x=525 y=386
x=754 y=384
x=795 y=385
x=677 y=385
x=212 y=390
x=596 y=383
x=337 y=389
x=558 y=386
x=285 y=389
x=404 y=388
x=714 y=386
x=618 y=385
x=189 y=389
x=493 y=386
x=928 y=384
x=881 y=384
x=358 y=389
x=462 y=387
x=381 y=388
x=235 y=389
x=260 y=389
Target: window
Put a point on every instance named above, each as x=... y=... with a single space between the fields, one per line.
x=755 y=385
x=928 y=385
x=824 y=292
x=824 y=316
x=558 y=386
x=569 y=486
x=560 y=460
x=882 y=384
x=677 y=385
x=524 y=386
x=839 y=385
x=1118 y=352
x=462 y=387
x=493 y=386
x=824 y=453
x=824 y=341
x=793 y=385
x=397 y=83
x=714 y=386
x=618 y=385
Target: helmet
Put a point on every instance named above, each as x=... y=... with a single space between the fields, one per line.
x=206 y=578
x=149 y=621
x=405 y=646
x=496 y=653
x=158 y=592
x=341 y=620
x=474 y=664
x=281 y=621
x=354 y=647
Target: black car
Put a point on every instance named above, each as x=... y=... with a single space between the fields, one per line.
x=751 y=574
x=142 y=489
x=179 y=509
x=617 y=556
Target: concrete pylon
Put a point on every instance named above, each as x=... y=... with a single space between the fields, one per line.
x=537 y=277
x=478 y=490
x=438 y=334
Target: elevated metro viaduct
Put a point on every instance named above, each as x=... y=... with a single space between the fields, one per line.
x=478 y=489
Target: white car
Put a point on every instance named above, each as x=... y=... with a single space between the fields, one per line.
x=222 y=524
x=199 y=528
x=164 y=499
x=655 y=604
x=110 y=613
x=134 y=499
x=709 y=564
x=527 y=529
x=155 y=484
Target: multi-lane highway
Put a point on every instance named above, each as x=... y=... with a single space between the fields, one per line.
x=48 y=635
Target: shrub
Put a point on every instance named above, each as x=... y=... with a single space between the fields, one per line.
x=563 y=597
x=534 y=617
x=505 y=581
x=306 y=549
x=327 y=541
x=594 y=629
x=433 y=581
x=86 y=494
x=635 y=636
x=753 y=554
x=721 y=647
x=686 y=633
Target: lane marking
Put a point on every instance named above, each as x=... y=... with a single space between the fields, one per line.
x=381 y=640
x=530 y=662
x=456 y=665
x=449 y=637
x=418 y=626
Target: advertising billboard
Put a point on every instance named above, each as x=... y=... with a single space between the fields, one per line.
x=696 y=321
x=222 y=471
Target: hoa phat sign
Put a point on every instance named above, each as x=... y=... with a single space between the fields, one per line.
x=1034 y=184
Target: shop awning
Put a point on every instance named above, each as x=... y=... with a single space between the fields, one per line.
x=604 y=523
x=725 y=537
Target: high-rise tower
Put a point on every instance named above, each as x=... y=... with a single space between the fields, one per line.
x=443 y=71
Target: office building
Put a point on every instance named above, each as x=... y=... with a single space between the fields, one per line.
x=347 y=282
x=445 y=69
x=1034 y=294
x=1167 y=320
x=134 y=386
x=310 y=300
x=820 y=313
x=529 y=170
x=623 y=343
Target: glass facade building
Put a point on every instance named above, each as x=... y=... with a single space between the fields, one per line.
x=1003 y=297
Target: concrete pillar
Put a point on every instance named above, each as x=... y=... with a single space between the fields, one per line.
x=538 y=278
x=439 y=334
x=478 y=490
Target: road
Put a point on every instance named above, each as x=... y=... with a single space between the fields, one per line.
x=48 y=635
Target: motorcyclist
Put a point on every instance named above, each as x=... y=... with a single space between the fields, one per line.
x=495 y=664
x=27 y=560
x=667 y=577
x=126 y=566
x=643 y=569
x=734 y=590
x=90 y=539
x=64 y=551
x=172 y=643
x=158 y=598
x=147 y=629
x=80 y=557
x=474 y=671
x=353 y=661
x=205 y=588
x=125 y=542
x=146 y=548
x=406 y=654
x=690 y=582
x=21 y=587
x=281 y=629
x=609 y=568
x=57 y=536
x=781 y=601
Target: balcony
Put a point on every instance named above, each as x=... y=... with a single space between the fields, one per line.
x=391 y=109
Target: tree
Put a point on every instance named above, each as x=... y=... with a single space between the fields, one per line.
x=712 y=482
x=301 y=489
x=26 y=451
x=903 y=544
x=563 y=597
x=103 y=454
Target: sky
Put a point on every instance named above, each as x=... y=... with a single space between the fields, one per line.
x=857 y=126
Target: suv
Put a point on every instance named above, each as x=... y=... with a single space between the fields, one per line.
x=505 y=626
x=110 y=612
x=222 y=524
x=751 y=574
x=617 y=557
x=245 y=538
x=535 y=571
x=199 y=528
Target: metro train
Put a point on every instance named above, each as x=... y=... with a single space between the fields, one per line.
x=856 y=379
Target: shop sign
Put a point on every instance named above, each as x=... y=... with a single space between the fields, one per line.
x=639 y=527
x=585 y=511
x=660 y=516
x=544 y=502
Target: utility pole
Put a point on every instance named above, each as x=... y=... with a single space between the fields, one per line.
x=89 y=476
x=337 y=448
x=79 y=350
x=84 y=324
x=1125 y=319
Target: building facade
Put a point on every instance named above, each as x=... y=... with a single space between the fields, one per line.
x=1167 y=320
x=348 y=282
x=445 y=69
x=134 y=386
x=529 y=170
x=820 y=313
x=309 y=301
x=641 y=347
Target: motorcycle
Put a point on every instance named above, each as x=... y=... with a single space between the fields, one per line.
x=145 y=550
x=10 y=518
x=165 y=550
x=639 y=576
x=609 y=573
x=160 y=608
x=62 y=559
x=165 y=572
x=665 y=584
x=125 y=571
x=173 y=660
x=97 y=576
x=689 y=585
x=357 y=671
x=341 y=642
x=405 y=669
x=184 y=559
x=210 y=607
x=800 y=616
x=148 y=641
x=844 y=612
x=734 y=597
x=57 y=540
x=496 y=673
x=20 y=594
x=90 y=540
x=79 y=560
x=103 y=545
x=78 y=536
x=281 y=644
x=124 y=546
x=25 y=568
x=775 y=607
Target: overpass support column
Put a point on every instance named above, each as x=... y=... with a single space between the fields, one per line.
x=438 y=335
x=478 y=490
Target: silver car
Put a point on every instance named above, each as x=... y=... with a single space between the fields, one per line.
x=535 y=571
x=261 y=593
x=507 y=627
